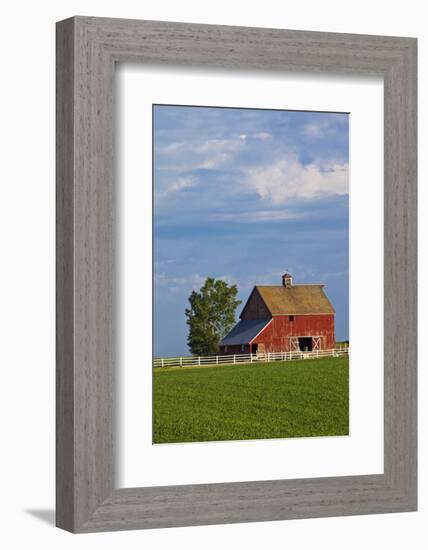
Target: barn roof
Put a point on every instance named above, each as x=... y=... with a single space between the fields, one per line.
x=244 y=332
x=295 y=300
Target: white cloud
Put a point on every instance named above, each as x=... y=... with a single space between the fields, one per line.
x=289 y=179
x=177 y=186
x=258 y=216
x=263 y=136
x=214 y=162
x=216 y=152
x=210 y=154
x=172 y=147
x=176 y=284
x=320 y=128
x=215 y=145
x=267 y=216
x=315 y=129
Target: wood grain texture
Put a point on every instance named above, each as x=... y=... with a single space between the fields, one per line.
x=64 y=278
x=87 y=49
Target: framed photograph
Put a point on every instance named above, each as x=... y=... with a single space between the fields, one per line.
x=236 y=274
x=236 y=192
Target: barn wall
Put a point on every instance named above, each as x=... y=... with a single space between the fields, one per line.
x=275 y=336
x=234 y=350
x=255 y=308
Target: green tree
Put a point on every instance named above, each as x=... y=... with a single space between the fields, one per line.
x=211 y=315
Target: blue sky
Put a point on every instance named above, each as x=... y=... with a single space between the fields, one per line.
x=243 y=195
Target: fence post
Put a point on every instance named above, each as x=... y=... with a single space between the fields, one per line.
x=162 y=363
x=268 y=356
x=199 y=361
x=234 y=359
x=216 y=359
x=181 y=361
x=251 y=357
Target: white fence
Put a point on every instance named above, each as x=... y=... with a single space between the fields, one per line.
x=247 y=358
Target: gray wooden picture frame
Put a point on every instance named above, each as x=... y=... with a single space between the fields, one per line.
x=87 y=50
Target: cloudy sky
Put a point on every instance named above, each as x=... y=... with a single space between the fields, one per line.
x=244 y=194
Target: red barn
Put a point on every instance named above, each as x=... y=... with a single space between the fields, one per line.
x=283 y=317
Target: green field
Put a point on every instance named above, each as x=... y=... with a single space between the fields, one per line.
x=258 y=401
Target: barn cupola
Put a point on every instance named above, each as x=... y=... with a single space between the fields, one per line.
x=287 y=279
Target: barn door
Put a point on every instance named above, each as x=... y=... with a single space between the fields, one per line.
x=294 y=343
x=316 y=343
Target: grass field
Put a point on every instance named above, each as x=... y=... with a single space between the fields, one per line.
x=263 y=401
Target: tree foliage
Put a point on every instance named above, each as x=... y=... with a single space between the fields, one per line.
x=211 y=315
